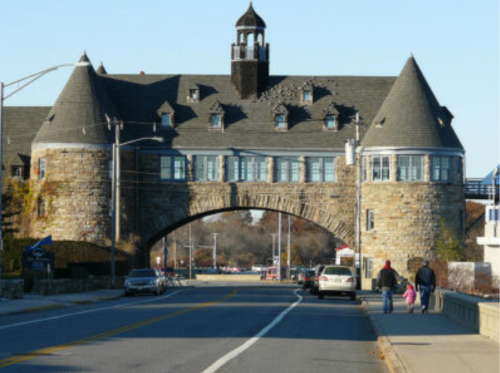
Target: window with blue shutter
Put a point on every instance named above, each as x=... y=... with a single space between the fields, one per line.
x=381 y=167
x=253 y=169
x=410 y=168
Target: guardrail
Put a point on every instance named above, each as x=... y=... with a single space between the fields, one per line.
x=474 y=188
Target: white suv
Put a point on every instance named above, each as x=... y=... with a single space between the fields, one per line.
x=337 y=280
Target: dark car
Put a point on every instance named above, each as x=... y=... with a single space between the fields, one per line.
x=147 y=280
x=315 y=280
x=308 y=276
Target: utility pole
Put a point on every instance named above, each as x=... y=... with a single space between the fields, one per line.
x=215 y=250
x=274 y=255
x=114 y=195
x=190 y=253
x=358 y=205
x=289 y=261
x=165 y=253
x=175 y=252
x=279 y=248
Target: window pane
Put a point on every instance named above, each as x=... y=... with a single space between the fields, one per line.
x=404 y=164
x=212 y=168
x=445 y=168
x=385 y=168
x=375 y=168
x=314 y=170
x=199 y=167
x=281 y=169
x=330 y=121
x=179 y=168
x=232 y=168
x=279 y=121
x=416 y=170
x=166 y=120
x=307 y=95
x=215 y=121
x=436 y=167
x=364 y=170
x=42 y=166
x=329 y=169
x=262 y=169
x=165 y=168
x=294 y=169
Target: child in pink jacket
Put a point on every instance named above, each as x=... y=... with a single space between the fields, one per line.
x=410 y=296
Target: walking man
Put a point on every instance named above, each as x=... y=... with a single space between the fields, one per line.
x=386 y=281
x=426 y=283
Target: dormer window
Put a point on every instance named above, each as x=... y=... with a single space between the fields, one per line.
x=280 y=117
x=306 y=97
x=279 y=121
x=215 y=121
x=331 y=117
x=193 y=95
x=166 y=120
x=330 y=121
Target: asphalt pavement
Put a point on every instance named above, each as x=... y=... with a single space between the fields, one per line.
x=198 y=329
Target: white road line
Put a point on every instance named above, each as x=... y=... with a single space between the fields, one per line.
x=237 y=351
x=87 y=311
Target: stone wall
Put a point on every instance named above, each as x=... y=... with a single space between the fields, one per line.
x=407 y=219
x=76 y=193
x=165 y=206
x=12 y=289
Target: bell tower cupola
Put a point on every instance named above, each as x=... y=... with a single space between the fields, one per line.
x=250 y=56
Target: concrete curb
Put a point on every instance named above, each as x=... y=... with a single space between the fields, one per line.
x=35 y=309
x=391 y=359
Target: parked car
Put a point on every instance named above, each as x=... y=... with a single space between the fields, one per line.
x=169 y=271
x=337 y=280
x=315 y=280
x=146 y=280
x=306 y=283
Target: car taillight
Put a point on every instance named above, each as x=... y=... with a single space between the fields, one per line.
x=316 y=278
x=350 y=279
x=308 y=279
x=324 y=278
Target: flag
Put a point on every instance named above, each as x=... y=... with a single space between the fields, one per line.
x=44 y=241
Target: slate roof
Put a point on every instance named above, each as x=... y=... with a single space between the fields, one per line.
x=79 y=114
x=248 y=123
x=411 y=116
x=21 y=126
x=250 y=19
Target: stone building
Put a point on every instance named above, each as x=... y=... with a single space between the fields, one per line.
x=245 y=140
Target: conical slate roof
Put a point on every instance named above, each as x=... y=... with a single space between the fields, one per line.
x=101 y=69
x=411 y=116
x=250 y=19
x=79 y=114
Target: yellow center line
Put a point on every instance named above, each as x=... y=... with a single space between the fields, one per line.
x=50 y=350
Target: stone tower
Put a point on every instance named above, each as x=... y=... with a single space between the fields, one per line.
x=412 y=176
x=250 y=56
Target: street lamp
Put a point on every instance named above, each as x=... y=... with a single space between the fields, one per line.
x=30 y=79
x=115 y=187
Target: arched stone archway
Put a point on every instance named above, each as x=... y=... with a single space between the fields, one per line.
x=328 y=213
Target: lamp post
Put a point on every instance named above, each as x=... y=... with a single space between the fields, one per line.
x=30 y=79
x=115 y=187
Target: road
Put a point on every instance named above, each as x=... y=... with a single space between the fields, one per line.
x=198 y=329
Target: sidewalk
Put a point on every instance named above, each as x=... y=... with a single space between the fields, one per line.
x=428 y=343
x=34 y=303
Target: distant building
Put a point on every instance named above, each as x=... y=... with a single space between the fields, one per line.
x=491 y=239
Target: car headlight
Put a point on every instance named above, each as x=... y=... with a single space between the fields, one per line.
x=128 y=283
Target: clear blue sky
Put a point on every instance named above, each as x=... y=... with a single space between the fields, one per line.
x=455 y=42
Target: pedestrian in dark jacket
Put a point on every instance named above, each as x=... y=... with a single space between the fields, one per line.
x=426 y=283
x=386 y=281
